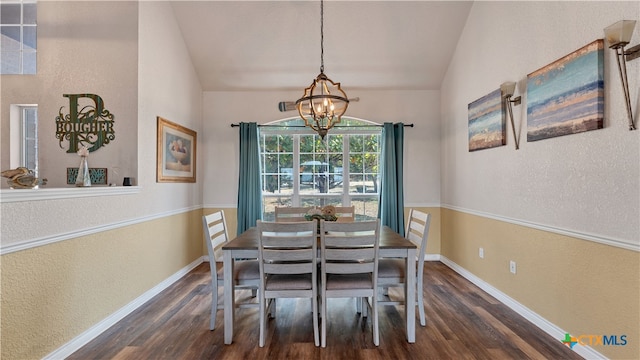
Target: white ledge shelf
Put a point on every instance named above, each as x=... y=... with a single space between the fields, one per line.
x=18 y=195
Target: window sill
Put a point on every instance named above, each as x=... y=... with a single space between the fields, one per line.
x=18 y=195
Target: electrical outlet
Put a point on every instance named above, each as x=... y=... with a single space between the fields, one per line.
x=481 y=253
x=512 y=266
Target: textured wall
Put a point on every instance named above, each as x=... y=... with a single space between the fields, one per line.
x=580 y=286
x=588 y=182
x=585 y=185
x=422 y=144
x=80 y=53
x=167 y=88
x=51 y=294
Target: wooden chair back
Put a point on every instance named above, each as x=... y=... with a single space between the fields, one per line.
x=287 y=247
x=291 y=214
x=215 y=235
x=349 y=248
x=346 y=213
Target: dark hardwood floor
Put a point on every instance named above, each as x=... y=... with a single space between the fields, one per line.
x=463 y=322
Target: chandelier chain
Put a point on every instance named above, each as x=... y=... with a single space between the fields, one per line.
x=324 y=101
x=321 y=36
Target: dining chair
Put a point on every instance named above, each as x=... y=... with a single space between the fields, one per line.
x=289 y=213
x=246 y=273
x=391 y=272
x=288 y=254
x=349 y=266
x=346 y=213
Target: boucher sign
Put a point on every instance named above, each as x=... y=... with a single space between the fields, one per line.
x=88 y=123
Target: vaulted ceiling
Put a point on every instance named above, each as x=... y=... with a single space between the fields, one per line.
x=275 y=45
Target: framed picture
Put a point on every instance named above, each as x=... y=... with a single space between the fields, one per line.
x=487 y=127
x=176 y=154
x=567 y=96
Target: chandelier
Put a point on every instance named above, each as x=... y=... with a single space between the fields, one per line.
x=324 y=101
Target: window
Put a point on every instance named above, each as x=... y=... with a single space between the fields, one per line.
x=18 y=31
x=29 y=147
x=24 y=129
x=301 y=169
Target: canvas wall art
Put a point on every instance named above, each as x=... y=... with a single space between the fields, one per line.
x=486 y=122
x=567 y=96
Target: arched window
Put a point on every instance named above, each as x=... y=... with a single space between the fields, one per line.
x=301 y=169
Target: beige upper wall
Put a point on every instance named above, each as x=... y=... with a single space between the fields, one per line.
x=164 y=84
x=422 y=143
x=117 y=247
x=584 y=185
x=588 y=183
x=79 y=53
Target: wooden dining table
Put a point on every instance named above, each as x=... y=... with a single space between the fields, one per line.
x=392 y=244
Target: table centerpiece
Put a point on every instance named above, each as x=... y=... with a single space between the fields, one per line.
x=326 y=213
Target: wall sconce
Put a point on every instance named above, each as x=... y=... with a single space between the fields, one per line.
x=619 y=35
x=507 y=89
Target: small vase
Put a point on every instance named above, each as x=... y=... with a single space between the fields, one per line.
x=83 y=178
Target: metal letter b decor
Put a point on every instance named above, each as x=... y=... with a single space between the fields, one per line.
x=87 y=124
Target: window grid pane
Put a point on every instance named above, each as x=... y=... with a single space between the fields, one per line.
x=19 y=37
x=321 y=171
x=29 y=151
x=10 y=14
x=277 y=164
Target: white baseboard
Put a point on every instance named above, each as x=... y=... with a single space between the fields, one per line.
x=84 y=338
x=431 y=257
x=542 y=323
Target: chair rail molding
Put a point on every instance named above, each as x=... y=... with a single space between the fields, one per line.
x=620 y=243
x=18 y=195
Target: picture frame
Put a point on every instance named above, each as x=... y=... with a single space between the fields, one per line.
x=487 y=124
x=176 y=152
x=567 y=96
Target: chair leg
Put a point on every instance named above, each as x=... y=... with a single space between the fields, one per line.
x=214 y=307
x=376 y=333
x=323 y=314
x=423 y=322
x=272 y=308
x=359 y=305
x=365 y=308
x=314 y=306
x=263 y=321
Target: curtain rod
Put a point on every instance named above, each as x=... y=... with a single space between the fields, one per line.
x=303 y=126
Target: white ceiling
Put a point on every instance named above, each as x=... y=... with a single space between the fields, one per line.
x=275 y=45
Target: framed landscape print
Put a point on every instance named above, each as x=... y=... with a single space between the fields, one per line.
x=176 y=153
x=567 y=96
x=487 y=127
